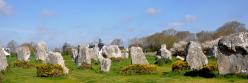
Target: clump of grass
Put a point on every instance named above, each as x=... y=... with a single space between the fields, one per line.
x=116 y=59
x=85 y=66
x=49 y=70
x=38 y=61
x=163 y=61
x=180 y=65
x=23 y=64
x=95 y=62
x=140 y=69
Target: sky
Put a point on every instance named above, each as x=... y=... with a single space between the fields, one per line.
x=84 y=21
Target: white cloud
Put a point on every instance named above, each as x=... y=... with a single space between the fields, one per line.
x=5 y=9
x=152 y=11
x=47 y=13
x=190 y=18
x=185 y=20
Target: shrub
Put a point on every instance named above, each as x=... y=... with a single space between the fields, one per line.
x=211 y=67
x=163 y=61
x=85 y=66
x=117 y=59
x=23 y=64
x=180 y=65
x=140 y=69
x=96 y=62
x=49 y=70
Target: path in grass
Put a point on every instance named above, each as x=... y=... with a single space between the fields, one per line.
x=20 y=75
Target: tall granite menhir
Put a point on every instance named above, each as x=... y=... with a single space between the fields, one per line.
x=232 y=56
x=195 y=56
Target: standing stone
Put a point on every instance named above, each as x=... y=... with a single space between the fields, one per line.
x=105 y=64
x=41 y=51
x=112 y=51
x=56 y=58
x=137 y=55
x=215 y=51
x=232 y=56
x=195 y=56
x=93 y=53
x=74 y=53
x=3 y=60
x=165 y=54
x=5 y=52
x=83 y=56
x=23 y=53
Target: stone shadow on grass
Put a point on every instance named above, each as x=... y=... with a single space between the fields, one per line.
x=204 y=72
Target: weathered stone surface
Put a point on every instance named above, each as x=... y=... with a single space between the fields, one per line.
x=195 y=56
x=112 y=51
x=56 y=58
x=166 y=54
x=232 y=56
x=74 y=53
x=23 y=53
x=93 y=53
x=5 y=52
x=105 y=64
x=41 y=51
x=3 y=60
x=137 y=55
x=215 y=51
x=83 y=55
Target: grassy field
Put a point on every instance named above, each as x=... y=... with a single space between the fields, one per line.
x=21 y=75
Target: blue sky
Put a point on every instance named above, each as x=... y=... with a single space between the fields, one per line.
x=78 y=21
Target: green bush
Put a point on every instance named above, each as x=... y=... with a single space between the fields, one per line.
x=163 y=61
x=49 y=70
x=140 y=69
x=211 y=67
x=118 y=59
x=180 y=65
x=23 y=64
x=85 y=66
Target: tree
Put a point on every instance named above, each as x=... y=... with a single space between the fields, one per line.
x=154 y=42
x=204 y=36
x=136 y=42
x=12 y=45
x=118 y=42
x=185 y=36
x=66 y=49
x=171 y=32
x=230 y=28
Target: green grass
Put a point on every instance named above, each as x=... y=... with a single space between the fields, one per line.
x=28 y=75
